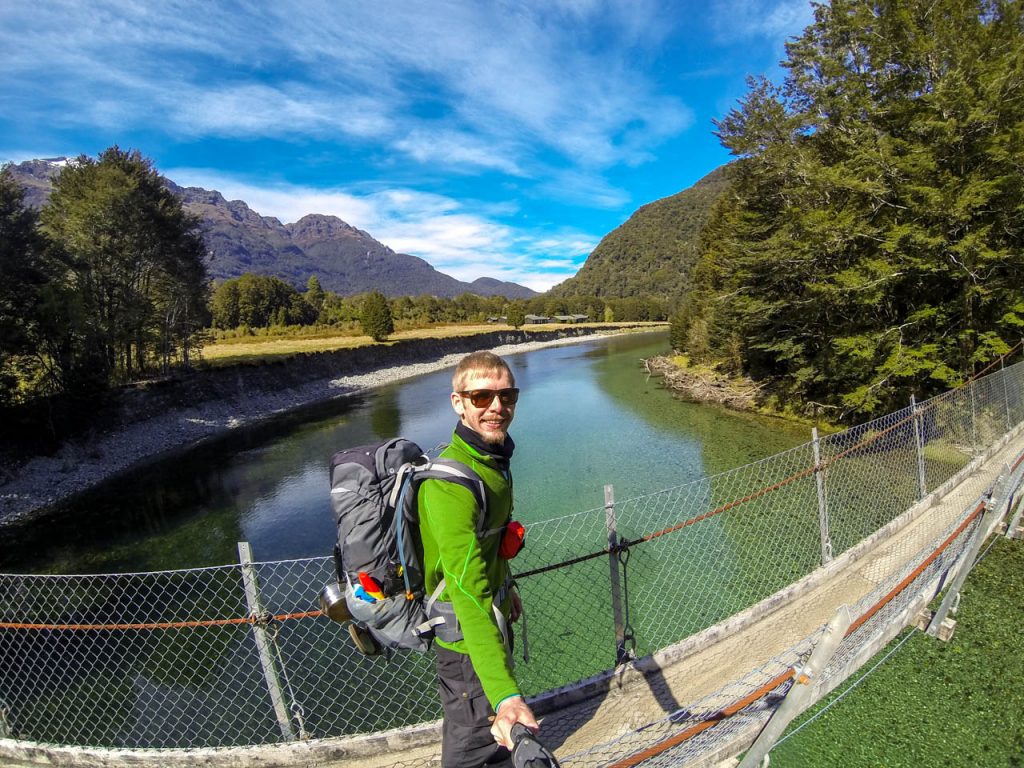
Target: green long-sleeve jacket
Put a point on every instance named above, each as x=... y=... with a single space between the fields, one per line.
x=473 y=570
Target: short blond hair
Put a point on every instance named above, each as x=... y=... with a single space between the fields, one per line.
x=479 y=362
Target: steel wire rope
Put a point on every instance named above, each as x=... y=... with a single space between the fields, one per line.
x=165 y=624
x=740 y=704
x=716 y=717
x=624 y=545
x=916 y=572
x=849 y=689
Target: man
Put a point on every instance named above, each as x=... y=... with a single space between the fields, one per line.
x=479 y=693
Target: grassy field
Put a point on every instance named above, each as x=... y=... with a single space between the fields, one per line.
x=931 y=703
x=245 y=349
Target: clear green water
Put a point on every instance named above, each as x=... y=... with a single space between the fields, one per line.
x=588 y=416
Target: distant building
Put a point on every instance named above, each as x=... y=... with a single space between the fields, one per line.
x=572 y=318
x=537 y=319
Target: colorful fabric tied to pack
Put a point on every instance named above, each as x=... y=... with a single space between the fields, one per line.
x=368 y=590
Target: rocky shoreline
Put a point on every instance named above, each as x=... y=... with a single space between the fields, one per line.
x=43 y=481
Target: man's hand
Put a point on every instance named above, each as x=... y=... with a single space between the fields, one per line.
x=515 y=609
x=511 y=711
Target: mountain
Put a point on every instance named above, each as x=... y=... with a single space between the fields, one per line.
x=653 y=252
x=346 y=260
x=36 y=177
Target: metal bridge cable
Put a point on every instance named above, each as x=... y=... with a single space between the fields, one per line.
x=841 y=696
x=916 y=572
x=736 y=707
x=991 y=365
x=692 y=731
x=166 y=624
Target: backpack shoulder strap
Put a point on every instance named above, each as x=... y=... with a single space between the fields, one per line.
x=456 y=472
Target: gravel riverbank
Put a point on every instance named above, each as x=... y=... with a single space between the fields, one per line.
x=45 y=480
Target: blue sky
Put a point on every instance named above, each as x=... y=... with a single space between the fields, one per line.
x=499 y=139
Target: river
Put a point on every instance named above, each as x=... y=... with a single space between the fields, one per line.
x=588 y=416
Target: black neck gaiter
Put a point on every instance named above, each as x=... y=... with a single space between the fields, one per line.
x=500 y=453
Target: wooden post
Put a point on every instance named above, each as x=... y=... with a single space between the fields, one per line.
x=252 y=599
x=621 y=655
x=819 y=479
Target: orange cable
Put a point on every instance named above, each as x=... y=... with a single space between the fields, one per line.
x=679 y=738
x=916 y=572
x=162 y=625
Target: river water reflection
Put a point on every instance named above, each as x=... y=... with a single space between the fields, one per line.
x=588 y=416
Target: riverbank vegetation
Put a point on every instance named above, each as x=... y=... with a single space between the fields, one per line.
x=871 y=244
x=275 y=344
x=105 y=284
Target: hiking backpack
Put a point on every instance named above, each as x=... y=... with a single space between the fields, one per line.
x=378 y=554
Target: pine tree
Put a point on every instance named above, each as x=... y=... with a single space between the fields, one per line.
x=315 y=294
x=376 y=320
x=871 y=245
x=135 y=262
x=24 y=273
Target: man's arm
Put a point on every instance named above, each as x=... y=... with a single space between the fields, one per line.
x=511 y=711
x=450 y=512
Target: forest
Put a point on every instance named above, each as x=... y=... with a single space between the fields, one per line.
x=107 y=284
x=870 y=244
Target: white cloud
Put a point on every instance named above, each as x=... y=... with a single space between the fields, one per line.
x=740 y=20
x=457 y=150
x=583 y=188
x=494 y=86
x=462 y=240
x=261 y=110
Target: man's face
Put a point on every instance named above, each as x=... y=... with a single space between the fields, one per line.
x=490 y=421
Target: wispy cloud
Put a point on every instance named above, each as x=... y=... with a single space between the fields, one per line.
x=474 y=85
x=771 y=20
x=458 y=150
x=458 y=238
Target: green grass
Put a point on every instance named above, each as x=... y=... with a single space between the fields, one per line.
x=959 y=703
x=234 y=349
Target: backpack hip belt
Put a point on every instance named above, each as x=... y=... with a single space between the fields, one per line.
x=442 y=621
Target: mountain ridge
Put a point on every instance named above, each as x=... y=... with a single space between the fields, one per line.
x=346 y=260
x=653 y=251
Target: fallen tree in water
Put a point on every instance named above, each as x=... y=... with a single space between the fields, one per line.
x=704 y=384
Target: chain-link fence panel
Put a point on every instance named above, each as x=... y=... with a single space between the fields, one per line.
x=141 y=660
x=241 y=655
x=716 y=546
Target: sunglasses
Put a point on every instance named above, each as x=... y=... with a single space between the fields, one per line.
x=481 y=398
